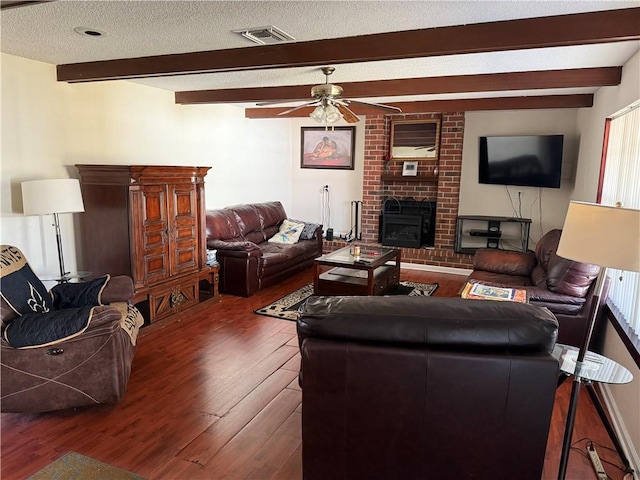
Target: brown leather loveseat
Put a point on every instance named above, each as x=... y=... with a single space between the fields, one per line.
x=563 y=286
x=423 y=387
x=248 y=261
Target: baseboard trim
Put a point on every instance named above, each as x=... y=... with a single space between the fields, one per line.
x=435 y=268
x=621 y=430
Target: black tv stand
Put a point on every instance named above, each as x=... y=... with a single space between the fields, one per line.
x=471 y=229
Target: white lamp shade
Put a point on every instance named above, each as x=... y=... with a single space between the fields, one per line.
x=601 y=235
x=41 y=197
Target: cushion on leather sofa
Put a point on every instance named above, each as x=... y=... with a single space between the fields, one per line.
x=559 y=274
x=451 y=323
x=569 y=277
x=500 y=279
x=247 y=218
x=223 y=222
x=504 y=262
x=309 y=229
x=271 y=214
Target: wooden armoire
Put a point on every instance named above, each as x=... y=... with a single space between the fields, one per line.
x=147 y=222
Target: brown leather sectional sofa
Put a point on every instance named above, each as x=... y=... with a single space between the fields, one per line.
x=422 y=387
x=248 y=262
x=563 y=286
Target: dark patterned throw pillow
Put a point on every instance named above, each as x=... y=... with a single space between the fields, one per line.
x=308 y=230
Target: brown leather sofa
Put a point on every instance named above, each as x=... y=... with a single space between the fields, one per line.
x=563 y=286
x=248 y=262
x=423 y=387
x=46 y=363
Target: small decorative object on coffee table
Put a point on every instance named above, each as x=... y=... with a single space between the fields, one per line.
x=372 y=271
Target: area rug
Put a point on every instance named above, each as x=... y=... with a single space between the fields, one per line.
x=287 y=306
x=72 y=465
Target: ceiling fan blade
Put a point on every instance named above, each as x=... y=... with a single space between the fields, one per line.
x=276 y=102
x=310 y=104
x=378 y=105
x=346 y=112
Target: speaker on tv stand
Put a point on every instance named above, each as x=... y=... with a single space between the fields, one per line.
x=493 y=227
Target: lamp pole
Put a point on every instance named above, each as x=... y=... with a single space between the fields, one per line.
x=56 y=224
x=577 y=378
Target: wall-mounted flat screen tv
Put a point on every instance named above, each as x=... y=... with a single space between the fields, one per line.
x=528 y=161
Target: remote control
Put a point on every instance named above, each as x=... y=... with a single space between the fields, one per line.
x=597 y=464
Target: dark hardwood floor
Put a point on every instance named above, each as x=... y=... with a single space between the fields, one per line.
x=214 y=395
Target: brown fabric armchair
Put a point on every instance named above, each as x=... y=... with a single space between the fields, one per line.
x=563 y=286
x=70 y=347
x=424 y=387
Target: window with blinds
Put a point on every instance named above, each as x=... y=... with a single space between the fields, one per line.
x=620 y=182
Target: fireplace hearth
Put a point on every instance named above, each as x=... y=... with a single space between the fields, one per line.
x=407 y=223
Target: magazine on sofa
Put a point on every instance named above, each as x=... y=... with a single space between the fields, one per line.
x=488 y=292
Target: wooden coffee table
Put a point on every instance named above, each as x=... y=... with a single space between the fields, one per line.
x=375 y=271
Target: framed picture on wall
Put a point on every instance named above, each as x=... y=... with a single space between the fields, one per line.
x=334 y=148
x=415 y=139
x=409 y=169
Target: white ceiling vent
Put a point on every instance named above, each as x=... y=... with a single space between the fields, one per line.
x=265 y=35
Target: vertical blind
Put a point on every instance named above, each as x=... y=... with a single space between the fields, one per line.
x=621 y=183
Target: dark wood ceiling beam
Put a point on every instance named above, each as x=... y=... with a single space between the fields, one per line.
x=561 y=30
x=461 y=105
x=5 y=4
x=534 y=80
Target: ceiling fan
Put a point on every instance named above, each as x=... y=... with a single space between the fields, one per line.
x=330 y=106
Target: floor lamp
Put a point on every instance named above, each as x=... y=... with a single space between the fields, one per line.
x=604 y=236
x=55 y=196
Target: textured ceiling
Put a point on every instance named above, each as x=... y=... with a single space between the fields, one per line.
x=45 y=32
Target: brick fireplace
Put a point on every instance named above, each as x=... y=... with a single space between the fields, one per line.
x=444 y=191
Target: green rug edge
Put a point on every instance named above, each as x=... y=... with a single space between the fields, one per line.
x=73 y=465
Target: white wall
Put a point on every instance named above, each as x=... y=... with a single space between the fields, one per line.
x=608 y=100
x=48 y=127
x=34 y=140
x=127 y=123
x=498 y=200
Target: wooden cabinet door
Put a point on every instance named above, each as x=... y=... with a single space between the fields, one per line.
x=183 y=214
x=155 y=233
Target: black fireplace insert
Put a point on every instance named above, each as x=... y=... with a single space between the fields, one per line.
x=407 y=223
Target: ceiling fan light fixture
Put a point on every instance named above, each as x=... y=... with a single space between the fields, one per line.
x=318 y=114
x=332 y=113
x=330 y=107
x=326 y=90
